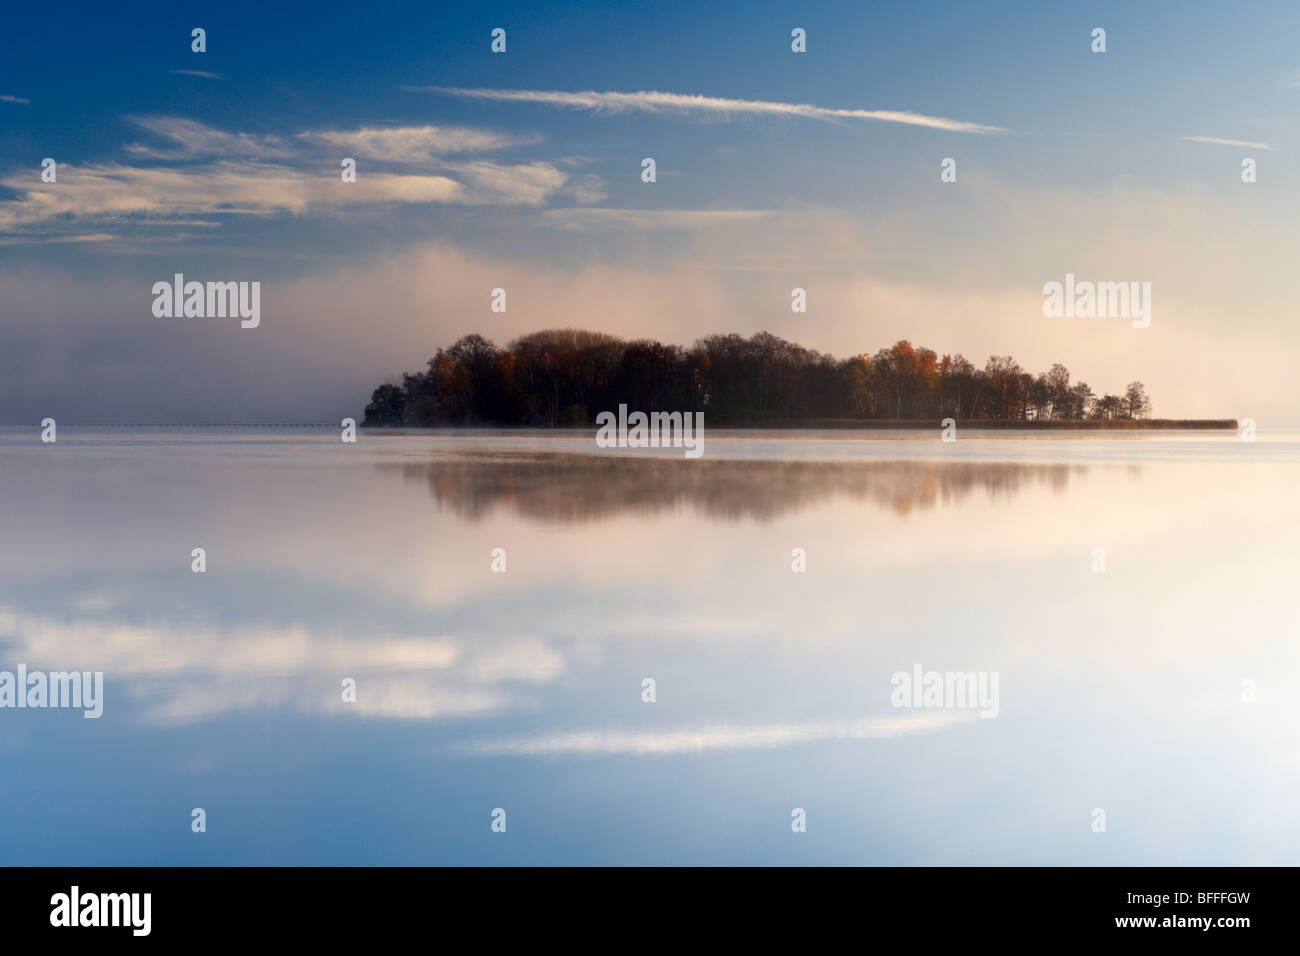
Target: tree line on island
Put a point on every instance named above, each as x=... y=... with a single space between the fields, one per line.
x=565 y=377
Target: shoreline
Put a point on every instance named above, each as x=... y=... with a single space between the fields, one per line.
x=877 y=424
x=1086 y=424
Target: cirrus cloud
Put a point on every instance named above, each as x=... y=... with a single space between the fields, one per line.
x=410 y=144
x=1217 y=141
x=656 y=102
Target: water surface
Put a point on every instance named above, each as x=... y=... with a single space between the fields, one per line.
x=1125 y=690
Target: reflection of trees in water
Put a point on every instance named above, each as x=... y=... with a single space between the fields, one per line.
x=583 y=488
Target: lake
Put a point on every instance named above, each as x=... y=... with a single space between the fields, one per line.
x=1131 y=596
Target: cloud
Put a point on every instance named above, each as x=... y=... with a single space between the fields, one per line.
x=79 y=237
x=411 y=144
x=6 y=98
x=528 y=184
x=112 y=191
x=639 y=219
x=199 y=139
x=203 y=73
x=102 y=192
x=1217 y=268
x=641 y=743
x=586 y=190
x=656 y=102
x=398 y=144
x=1227 y=142
x=247 y=180
x=227 y=668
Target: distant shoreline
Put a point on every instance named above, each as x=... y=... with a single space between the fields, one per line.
x=1087 y=424
x=880 y=424
x=1118 y=424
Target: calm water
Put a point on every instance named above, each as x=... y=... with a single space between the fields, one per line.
x=1124 y=690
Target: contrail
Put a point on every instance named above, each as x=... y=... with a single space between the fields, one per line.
x=655 y=102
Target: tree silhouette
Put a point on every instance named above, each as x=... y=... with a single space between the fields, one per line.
x=568 y=376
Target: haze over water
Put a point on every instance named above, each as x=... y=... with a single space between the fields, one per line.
x=1120 y=690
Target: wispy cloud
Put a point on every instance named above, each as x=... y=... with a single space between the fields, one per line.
x=203 y=73
x=586 y=189
x=640 y=219
x=113 y=191
x=7 y=98
x=80 y=237
x=411 y=144
x=656 y=102
x=198 y=139
x=1227 y=142
x=606 y=742
x=407 y=676
x=250 y=179
x=529 y=184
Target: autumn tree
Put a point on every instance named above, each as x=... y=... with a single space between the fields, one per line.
x=570 y=375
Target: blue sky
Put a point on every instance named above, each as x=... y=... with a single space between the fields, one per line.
x=1101 y=164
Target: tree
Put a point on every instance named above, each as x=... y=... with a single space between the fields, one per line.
x=1040 y=398
x=860 y=376
x=899 y=374
x=1081 y=402
x=1110 y=407
x=960 y=384
x=1135 y=397
x=387 y=407
x=1002 y=376
x=1058 y=391
x=570 y=375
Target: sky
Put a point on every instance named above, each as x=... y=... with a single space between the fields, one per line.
x=522 y=170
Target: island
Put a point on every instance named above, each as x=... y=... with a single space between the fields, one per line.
x=565 y=377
